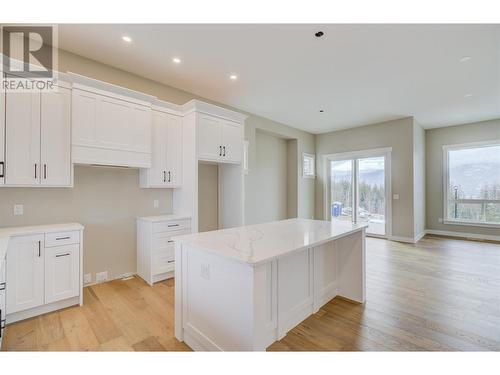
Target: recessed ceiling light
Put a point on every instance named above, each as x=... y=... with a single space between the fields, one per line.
x=233 y=77
x=176 y=60
x=467 y=95
x=319 y=34
x=465 y=59
x=126 y=39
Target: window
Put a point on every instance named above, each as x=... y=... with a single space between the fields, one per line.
x=308 y=166
x=472 y=184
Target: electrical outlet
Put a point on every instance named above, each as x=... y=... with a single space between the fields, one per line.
x=156 y=203
x=87 y=278
x=18 y=209
x=205 y=271
x=395 y=196
x=101 y=276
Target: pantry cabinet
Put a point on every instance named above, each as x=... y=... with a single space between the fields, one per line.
x=219 y=140
x=166 y=149
x=37 y=138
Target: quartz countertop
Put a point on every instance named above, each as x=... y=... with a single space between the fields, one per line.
x=254 y=244
x=163 y=218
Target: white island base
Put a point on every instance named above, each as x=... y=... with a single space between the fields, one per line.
x=245 y=288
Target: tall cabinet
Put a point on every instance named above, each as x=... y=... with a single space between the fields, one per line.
x=37 y=138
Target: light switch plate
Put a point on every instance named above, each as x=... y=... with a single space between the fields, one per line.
x=395 y=196
x=18 y=209
x=101 y=276
x=205 y=271
x=87 y=278
x=156 y=203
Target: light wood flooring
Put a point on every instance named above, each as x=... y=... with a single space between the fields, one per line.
x=440 y=294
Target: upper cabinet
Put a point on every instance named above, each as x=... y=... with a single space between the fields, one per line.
x=219 y=132
x=37 y=139
x=166 y=147
x=111 y=125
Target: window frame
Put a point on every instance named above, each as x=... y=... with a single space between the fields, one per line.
x=446 y=182
x=313 y=156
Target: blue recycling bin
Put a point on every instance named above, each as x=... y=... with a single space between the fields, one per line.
x=336 y=209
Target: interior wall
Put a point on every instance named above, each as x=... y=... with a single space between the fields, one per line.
x=105 y=200
x=435 y=140
x=419 y=179
x=207 y=197
x=103 y=246
x=270 y=190
x=292 y=178
x=397 y=134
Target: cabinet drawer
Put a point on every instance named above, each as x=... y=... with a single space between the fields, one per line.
x=163 y=260
x=166 y=226
x=62 y=238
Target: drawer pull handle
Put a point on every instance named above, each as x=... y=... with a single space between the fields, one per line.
x=62 y=255
x=63 y=238
x=173 y=225
x=171 y=261
x=2 y=286
x=170 y=241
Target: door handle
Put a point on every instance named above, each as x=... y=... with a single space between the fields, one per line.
x=168 y=176
x=164 y=176
x=62 y=255
x=220 y=150
x=45 y=171
x=35 y=170
x=224 y=148
x=39 y=249
x=2 y=164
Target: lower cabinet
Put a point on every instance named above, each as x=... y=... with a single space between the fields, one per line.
x=43 y=273
x=155 y=247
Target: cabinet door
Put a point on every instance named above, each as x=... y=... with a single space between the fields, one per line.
x=232 y=141
x=158 y=170
x=25 y=273
x=22 y=139
x=55 y=138
x=174 y=151
x=209 y=138
x=2 y=136
x=61 y=272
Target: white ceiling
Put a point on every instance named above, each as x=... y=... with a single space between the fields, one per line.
x=358 y=74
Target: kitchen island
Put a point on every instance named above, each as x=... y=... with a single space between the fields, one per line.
x=245 y=288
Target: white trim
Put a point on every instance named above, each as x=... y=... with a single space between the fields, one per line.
x=475 y=236
x=419 y=236
x=446 y=183
x=402 y=239
x=213 y=110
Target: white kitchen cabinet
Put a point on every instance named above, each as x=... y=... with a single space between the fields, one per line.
x=166 y=160
x=22 y=139
x=2 y=137
x=25 y=273
x=155 y=247
x=3 y=313
x=110 y=125
x=44 y=269
x=55 y=159
x=37 y=139
x=61 y=272
x=219 y=140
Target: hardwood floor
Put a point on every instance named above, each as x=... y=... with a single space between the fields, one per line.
x=440 y=294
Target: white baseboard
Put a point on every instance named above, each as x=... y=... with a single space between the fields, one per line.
x=402 y=239
x=473 y=236
x=124 y=276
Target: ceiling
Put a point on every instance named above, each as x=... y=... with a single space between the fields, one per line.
x=356 y=74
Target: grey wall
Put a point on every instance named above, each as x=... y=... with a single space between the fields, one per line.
x=208 y=187
x=418 y=179
x=435 y=139
x=397 y=134
x=270 y=190
x=292 y=178
x=105 y=200
x=110 y=233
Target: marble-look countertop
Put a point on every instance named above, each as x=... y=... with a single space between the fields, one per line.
x=6 y=233
x=254 y=244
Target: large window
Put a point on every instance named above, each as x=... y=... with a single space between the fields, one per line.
x=472 y=184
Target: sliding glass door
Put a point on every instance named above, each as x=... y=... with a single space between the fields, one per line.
x=357 y=190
